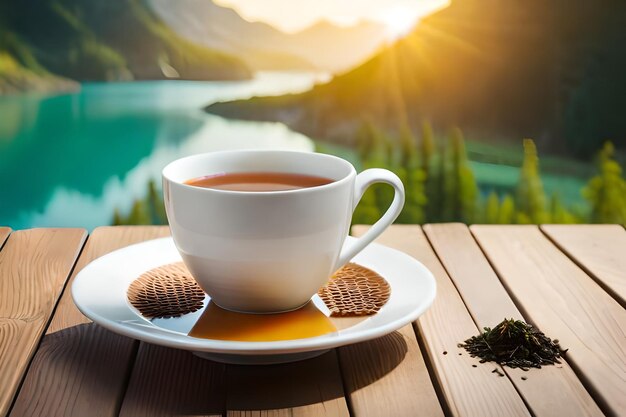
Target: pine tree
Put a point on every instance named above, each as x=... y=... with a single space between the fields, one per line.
x=506 y=214
x=606 y=192
x=460 y=188
x=145 y=210
x=373 y=151
x=559 y=213
x=468 y=189
x=367 y=211
x=427 y=146
x=155 y=204
x=366 y=139
x=530 y=197
x=522 y=218
x=415 y=202
x=118 y=220
x=381 y=157
x=408 y=148
x=492 y=208
x=139 y=214
x=435 y=185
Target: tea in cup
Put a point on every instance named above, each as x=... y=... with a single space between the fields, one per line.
x=262 y=231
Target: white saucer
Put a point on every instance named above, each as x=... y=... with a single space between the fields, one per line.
x=99 y=292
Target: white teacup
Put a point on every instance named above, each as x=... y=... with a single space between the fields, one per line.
x=271 y=251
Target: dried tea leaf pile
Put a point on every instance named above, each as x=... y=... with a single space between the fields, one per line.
x=515 y=344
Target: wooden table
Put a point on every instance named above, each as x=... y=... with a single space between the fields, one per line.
x=570 y=281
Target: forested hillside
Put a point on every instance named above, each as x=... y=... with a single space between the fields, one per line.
x=103 y=40
x=553 y=70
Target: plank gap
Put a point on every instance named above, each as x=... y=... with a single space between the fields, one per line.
x=467 y=391
x=47 y=324
x=127 y=377
x=609 y=273
x=166 y=381
x=469 y=310
x=431 y=373
x=34 y=268
x=281 y=389
x=389 y=367
x=547 y=266
x=595 y=394
x=488 y=302
x=346 y=392
x=79 y=366
x=5 y=232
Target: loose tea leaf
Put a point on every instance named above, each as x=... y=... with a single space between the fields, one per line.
x=515 y=344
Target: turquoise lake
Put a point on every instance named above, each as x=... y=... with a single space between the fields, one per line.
x=70 y=160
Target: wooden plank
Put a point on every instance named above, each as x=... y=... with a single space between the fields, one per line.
x=467 y=391
x=300 y=389
x=80 y=368
x=4 y=234
x=390 y=368
x=174 y=382
x=599 y=249
x=192 y=386
x=548 y=391
x=388 y=376
x=34 y=266
x=556 y=295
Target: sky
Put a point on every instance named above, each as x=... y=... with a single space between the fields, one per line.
x=294 y=15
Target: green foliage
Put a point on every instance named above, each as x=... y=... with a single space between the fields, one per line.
x=465 y=200
x=506 y=214
x=20 y=70
x=105 y=40
x=458 y=192
x=436 y=186
x=559 y=75
x=492 y=208
x=443 y=188
x=413 y=180
x=408 y=148
x=367 y=212
x=156 y=207
x=13 y=47
x=447 y=191
x=366 y=138
x=530 y=196
x=559 y=213
x=376 y=149
x=146 y=210
x=606 y=192
x=427 y=146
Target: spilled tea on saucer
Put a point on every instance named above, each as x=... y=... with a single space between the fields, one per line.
x=169 y=291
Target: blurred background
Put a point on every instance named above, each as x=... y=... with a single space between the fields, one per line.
x=491 y=111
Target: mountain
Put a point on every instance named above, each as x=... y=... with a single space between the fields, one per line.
x=337 y=48
x=221 y=28
x=20 y=71
x=321 y=46
x=105 y=40
x=548 y=69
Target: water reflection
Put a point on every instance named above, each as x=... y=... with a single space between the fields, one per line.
x=69 y=160
x=219 y=324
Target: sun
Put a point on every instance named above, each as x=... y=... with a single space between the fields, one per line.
x=399 y=21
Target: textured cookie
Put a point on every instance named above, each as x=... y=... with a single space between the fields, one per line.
x=355 y=291
x=166 y=291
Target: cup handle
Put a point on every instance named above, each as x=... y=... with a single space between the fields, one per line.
x=362 y=183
